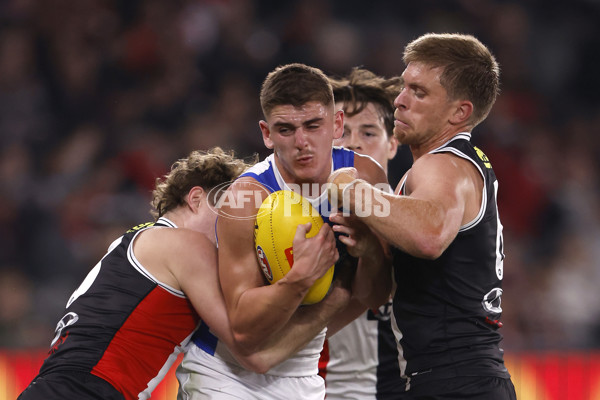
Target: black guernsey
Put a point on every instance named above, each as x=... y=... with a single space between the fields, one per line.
x=447 y=310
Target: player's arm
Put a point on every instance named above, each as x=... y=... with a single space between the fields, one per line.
x=354 y=310
x=185 y=259
x=424 y=222
x=305 y=324
x=373 y=282
x=258 y=310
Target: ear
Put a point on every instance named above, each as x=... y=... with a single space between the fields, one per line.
x=462 y=113
x=195 y=198
x=392 y=147
x=338 y=124
x=266 y=134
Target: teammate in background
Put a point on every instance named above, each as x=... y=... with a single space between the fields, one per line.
x=138 y=307
x=361 y=360
x=444 y=224
x=300 y=126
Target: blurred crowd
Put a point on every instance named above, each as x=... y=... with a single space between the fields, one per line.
x=99 y=97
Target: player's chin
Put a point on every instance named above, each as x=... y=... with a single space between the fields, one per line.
x=306 y=172
x=400 y=135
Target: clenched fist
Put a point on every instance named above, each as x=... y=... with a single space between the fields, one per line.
x=338 y=181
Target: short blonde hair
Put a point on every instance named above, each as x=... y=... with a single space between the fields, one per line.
x=470 y=70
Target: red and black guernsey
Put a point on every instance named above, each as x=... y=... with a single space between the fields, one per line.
x=121 y=324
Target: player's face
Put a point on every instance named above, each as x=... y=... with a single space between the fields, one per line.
x=301 y=139
x=422 y=107
x=365 y=133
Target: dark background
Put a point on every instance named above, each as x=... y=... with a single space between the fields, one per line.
x=99 y=97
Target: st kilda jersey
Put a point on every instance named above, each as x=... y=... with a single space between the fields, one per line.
x=121 y=324
x=446 y=311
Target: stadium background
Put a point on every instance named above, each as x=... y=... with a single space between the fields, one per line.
x=99 y=97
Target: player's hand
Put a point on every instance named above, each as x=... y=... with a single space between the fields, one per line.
x=313 y=256
x=356 y=235
x=337 y=181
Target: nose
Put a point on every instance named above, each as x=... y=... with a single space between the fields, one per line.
x=353 y=142
x=300 y=139
x=400 y=100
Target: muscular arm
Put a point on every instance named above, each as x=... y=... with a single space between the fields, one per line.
x=443 y=192
x=354 y=310
x=304 y=325
x=372 y=282
x=187 y=260
x=257 y=311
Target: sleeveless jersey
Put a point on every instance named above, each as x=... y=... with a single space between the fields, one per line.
x=446 y=311
x=305 y=362
x=122 y=324
x=360 y=361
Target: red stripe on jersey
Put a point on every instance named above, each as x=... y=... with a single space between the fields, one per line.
x=324 y=360
x=139 y=349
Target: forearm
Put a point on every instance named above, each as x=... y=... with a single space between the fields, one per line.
x=306 y=323
x=413 y=225
x=373 y=281
x=261 y=312
x=344 y=317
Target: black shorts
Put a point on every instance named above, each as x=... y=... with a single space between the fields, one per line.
x=70 y=385
x=465 y=388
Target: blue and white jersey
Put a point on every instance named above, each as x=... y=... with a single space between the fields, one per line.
x=304 y=362
x=268 y=175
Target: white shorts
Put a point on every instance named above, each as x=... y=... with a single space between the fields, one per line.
x=202 y=376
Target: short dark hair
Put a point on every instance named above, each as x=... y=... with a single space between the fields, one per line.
x=294 y=84
x=362 y=87
x=470 y=70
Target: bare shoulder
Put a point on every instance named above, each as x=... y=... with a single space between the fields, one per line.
x=242 y=198
x=369 y=170
x=443 y=164
x=441 y=170
x=170 y=253
x=163 y=239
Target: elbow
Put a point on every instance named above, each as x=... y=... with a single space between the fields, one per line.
x=256 y=364
x=245 y=343
x=377 y=295
x=429 y=252
x=377 y=300
x=429 y=246
x=253 y=362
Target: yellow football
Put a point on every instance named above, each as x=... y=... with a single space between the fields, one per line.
x=276 y=221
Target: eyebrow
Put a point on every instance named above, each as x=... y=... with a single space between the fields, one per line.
x=284 y=125
x=368 y=126
x=412 y=85
x=312 y=121
x=290 y=125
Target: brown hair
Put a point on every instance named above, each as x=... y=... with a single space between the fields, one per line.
x=207 y=169
x=362 y=87
x=470 y=70
x=294 y=84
